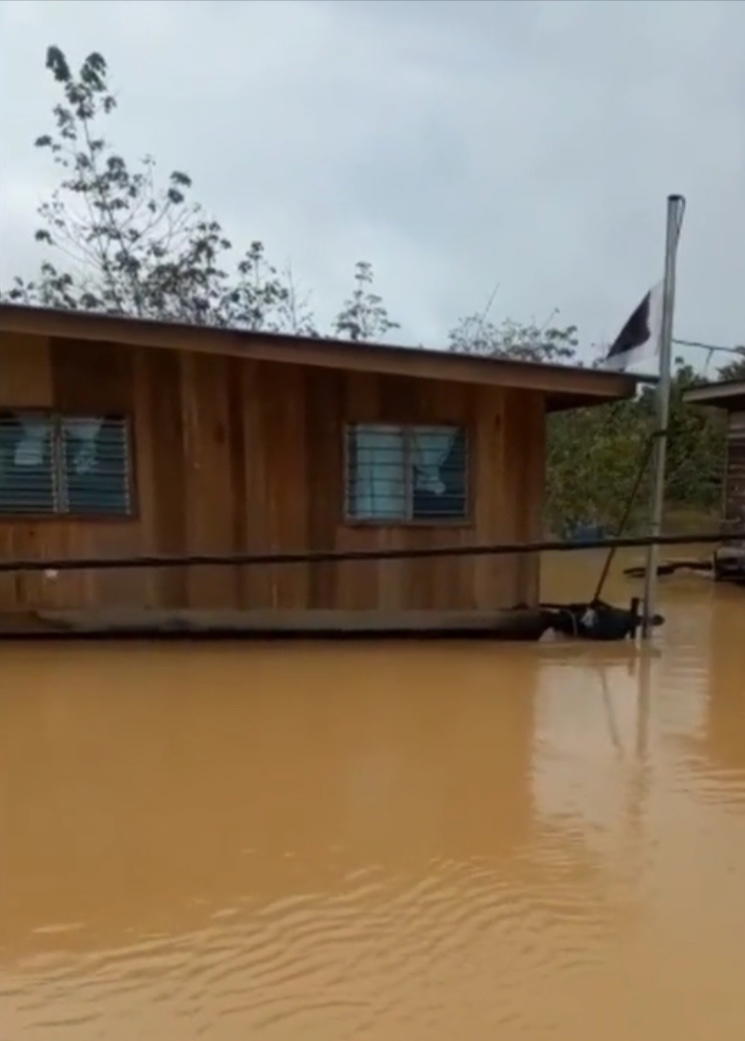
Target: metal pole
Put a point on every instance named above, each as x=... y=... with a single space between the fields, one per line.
x=675 y=207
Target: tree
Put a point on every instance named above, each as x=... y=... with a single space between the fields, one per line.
x=294 y=310
x=735 y=369
x=364 y=315
x=696 y=446
x=133 y=246
x=476 y=334
x=594 y=457
x=129 y=244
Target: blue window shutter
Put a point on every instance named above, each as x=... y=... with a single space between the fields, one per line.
x=27 y=473
x=96 y=465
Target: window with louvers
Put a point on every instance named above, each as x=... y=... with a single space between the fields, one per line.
x=406 y=474
x=69 y=465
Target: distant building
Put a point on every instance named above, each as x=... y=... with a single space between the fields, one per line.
x=729 y=395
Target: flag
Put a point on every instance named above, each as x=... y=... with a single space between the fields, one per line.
x=639 y=340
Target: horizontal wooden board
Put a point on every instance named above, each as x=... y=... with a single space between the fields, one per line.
x=525 y=623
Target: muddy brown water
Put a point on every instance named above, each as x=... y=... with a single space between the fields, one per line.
x=380 y=841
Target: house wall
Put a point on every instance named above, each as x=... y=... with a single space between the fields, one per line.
x=734 y=490
x=233 y=454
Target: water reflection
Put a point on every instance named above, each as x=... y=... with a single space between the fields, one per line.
x=378 y=841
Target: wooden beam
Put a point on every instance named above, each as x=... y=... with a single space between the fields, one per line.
x=513 y=623
x=727 y=394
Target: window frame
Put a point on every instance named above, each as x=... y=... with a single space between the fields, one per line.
x=57 y=417
x=466 y=521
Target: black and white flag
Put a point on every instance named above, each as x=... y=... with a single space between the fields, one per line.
x=639 y=340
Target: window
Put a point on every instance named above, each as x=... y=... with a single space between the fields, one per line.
x=64 y=464
x=405 y=473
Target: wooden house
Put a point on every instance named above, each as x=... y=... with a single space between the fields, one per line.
x=122 y=437
x=729 y=395
x=729 y=560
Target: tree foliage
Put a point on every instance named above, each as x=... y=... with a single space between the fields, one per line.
x=364 y=315
x=124 y=242
x=735 y=369
x=476 y=334
x=594 y=456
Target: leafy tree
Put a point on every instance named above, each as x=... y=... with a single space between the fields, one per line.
x=696 y=446
x=294 y=310
x=735 y=369
x=132 y=245
x=476 y=334
x=594 y=457
x=594 y=454
x=127 y=243
x=364 y=315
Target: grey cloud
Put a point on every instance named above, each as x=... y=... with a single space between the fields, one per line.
x=455 y=145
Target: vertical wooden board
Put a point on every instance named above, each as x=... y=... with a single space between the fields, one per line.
x=144 y=448
x=449 y=581
x=75 y=587
x=256 y=584
x=288 y=484
x=25 y=371
x=92 y=378
x=46 y=539
x=88 y=378
x=237 y=454
x=490 y=500
x=130 y=587
x=417 y=575
x=733 y=493
x=397 y=399
x=25 y=382
x=515 y=457
x=533 y=495
x=361 y=397
x=447 y=578
x=162 y=415
x=523 y=453
x=324 y=418
x=209 y=504
x=10 y=582
x=269 y=407
x=527 y=488
x=397 y=402
x=357 y=583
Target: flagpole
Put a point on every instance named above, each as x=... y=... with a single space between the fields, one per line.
x=675 y=208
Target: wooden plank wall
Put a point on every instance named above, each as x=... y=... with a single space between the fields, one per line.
x=734 y=485
x=237 y=455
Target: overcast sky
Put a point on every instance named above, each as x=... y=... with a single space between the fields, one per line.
x=456 y=146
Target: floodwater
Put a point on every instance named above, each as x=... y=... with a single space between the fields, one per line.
x=378 y=841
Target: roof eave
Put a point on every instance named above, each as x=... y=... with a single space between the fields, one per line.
x=564 y=386
x=726 y=394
